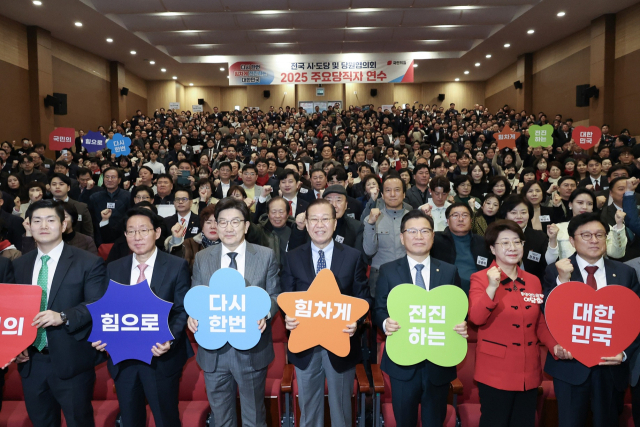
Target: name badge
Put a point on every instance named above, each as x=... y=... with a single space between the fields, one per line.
x=339 y=239
x=79 y=217
x=351 y=215
x=605 y=188
x=545 y=218
x=534 y=256
x=111 y=205
x=534 y=298
x=47 y=166
x=482 y=261
x=304 y=191
x=194 y=230
x=478 y=206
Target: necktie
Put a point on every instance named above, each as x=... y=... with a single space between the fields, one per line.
x=419 y=278
x=322 y=262
x=43 y=280
x=141 y=277
x=291 y=207
x=184 y=232
x=597 y=186
x=318 y=195
x=591 y=278
x=233 y=263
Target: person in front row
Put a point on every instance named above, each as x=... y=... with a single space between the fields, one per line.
x=58 y=368
x=168 y=278
x=314 y=365
x=227 y=370
x=601 y=387
x=505 y=303
x=423 y=384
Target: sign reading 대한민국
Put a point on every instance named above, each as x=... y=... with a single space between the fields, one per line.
x=426 y=322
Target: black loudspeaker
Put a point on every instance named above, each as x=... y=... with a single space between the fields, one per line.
x=582 y=100
x=592 y=92
x=267 y=93
x=51 y=101
x=441 y=97
x=200 y=101
x=374 y=92
x=518 y=84
x=124 y=91
x=61 y=108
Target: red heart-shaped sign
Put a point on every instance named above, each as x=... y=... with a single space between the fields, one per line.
x=593 y=324
x=19 y=304
x=586 y=137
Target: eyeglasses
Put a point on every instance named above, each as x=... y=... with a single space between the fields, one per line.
x=515 y=243
x=143 y=232
x=142 y=198
x=235 y=223
x=588 y=236
x=460 y=216
x=110 y=178
x=181 y=199
x=413 y=232
x=314 y=221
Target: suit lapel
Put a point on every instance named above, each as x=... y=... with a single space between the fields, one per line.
x=66 y=258
x=337 y=258
x=609 y=269
x=250 y=272
x=404 y=273
x=123 y=276
x=434 y=274
x=159 y=273
x=308 y=260
x=31 y=257
x=576 y=275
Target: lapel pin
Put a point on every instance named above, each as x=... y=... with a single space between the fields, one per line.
x=614 y=275
x=437 y=269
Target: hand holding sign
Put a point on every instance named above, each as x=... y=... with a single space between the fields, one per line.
x=19 y=304
x=227 y=311
x=593 y=326
x=325 y=316
x=131 y=321
x=540 y=136
x=430 y=325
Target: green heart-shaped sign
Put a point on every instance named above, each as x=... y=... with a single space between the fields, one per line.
x=540 y=136
x=426 y=322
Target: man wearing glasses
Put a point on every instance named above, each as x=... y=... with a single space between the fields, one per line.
x=601 y=387
x=188 y=221
x=249 y=177
x=228 y=370
x=425 y=383
x=115 y=199
x=168 y=278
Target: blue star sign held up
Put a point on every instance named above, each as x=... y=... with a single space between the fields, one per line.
x=131 y=320
x=227 y=311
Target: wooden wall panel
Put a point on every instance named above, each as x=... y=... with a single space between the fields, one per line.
x=135 y=102
x=561 y=50
x=627 y=30
x=554 y=88
x=233 y=96
x=333 y=92
x=463 y=94
x=363 y=96
x=502 y=80
x=407 y=93
x=627 y=93
x=88 y=99
x=498 y=100
x=277 y=98
x=159 y=94
x=14 y=103
x=88 y=62
x=180 y=94
x=13 y=43
x=210 y=94
x=135 y=84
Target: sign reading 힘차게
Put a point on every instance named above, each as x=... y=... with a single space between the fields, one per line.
x=130 y=320
x=227 y=311
x=19 y=304
x=426 y=322
x=322 y=69
x=592 y=324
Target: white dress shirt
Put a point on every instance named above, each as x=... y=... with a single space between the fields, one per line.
x=52 y=264
x=600 y=274
x=148 y=272
x=438 y=215
x=294 y=204
x=425 y=271
x=328 y=254
x=240 y=258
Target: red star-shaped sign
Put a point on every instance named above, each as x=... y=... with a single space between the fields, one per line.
x=323 y=313
x=507 y=138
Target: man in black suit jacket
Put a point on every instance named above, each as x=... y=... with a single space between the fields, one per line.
x=83 y=191
x=58 y=369
x=602 y=387
x=13 y=224
x=423 y=384
x=168 y=277
x=300 y=269
x=6 y=276
x=183 y=215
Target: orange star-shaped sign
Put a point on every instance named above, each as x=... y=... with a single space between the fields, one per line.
x=507 y=138
x=323 y=313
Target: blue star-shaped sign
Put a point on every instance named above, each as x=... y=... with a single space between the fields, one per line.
x=93 y=141
x=227 y=311
x=119 y=145
x=131 y=320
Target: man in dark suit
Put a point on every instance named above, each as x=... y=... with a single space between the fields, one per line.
x=348 y=231
x=595 y=178
x=299 y=270
x=58 y=368
x=60 y=185
x=168 y=278
x=601 y=387
x=13 y=223
x=289 y=180
x=436 y=136
x=423 y=384
x=6 y=276
x=183 y=216
x=86 y=187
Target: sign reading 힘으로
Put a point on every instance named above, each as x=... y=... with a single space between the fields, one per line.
x=93 y=141
x=322 y=69
x=426 y=322
x=130 y=320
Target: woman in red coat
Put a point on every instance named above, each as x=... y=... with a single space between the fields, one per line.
x=505 y=303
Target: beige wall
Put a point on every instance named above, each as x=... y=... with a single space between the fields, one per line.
x=233 y=96
x=210 y=94
x=331 y=93
x=277 y=97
